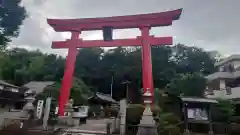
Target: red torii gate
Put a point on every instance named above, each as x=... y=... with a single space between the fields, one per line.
x=143 y=21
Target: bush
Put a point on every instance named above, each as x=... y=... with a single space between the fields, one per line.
x=135 y=111
x=168 y=123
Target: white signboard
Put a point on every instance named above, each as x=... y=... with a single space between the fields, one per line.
x=197 y=114
x=1 y=87
x=39 y=108
x=46 y=112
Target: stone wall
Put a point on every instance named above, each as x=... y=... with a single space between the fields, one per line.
x=2 y=114
x=8 y=118
x=65 y=120
x=8 y=122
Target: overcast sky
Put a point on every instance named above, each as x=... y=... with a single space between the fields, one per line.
x=209 y=24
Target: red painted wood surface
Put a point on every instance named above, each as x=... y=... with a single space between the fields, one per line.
x=144 y=22
x=119 y=22
x=68 y=75
x=118 y=42
x=146 y=61
x=115 y=25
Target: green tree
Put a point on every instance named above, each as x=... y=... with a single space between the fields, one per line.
x=192 y=59
x=95 y=67
x=188 y=85
x=224 y=111
x=11 y=17
x=168 y=123
x=79 y=92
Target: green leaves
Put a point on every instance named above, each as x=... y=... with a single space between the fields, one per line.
x=180 y=68
x=80 y=92
x=11 y=17
x=188 y=85
x=168 y=123
x=224 y=110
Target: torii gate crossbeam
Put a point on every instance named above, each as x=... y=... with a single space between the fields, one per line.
x=144 y=22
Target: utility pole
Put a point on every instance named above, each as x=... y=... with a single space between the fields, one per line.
x=112 y=86
x=127 y=83
x=112 y=79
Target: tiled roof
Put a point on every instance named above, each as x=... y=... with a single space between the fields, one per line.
x=105 y=97
x=8 y=84
x=223 y=75
x=37 y=86
x=201 y=100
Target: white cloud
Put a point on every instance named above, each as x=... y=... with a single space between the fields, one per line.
x=212 y=25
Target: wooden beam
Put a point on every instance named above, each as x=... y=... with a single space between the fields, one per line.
x=115 y=25
x=118 y=42
x=174 y=15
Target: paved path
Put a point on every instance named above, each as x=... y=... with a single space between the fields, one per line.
x=96 y=125
x=92 y=127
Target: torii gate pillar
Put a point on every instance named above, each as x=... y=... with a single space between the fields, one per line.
x=144 y=22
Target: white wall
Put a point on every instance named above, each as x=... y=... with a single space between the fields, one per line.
x=236 y=64
x=223 y=94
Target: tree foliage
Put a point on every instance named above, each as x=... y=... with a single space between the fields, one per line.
x=188 y=85
x=168 y=123
x=224 y=111
x=12 y=15
x=79 y=92
x=174 y=67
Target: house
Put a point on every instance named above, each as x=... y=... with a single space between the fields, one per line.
x=36 y=87
x=102 y=99
x=10 y=97
x=100 y=102
x=225 y=83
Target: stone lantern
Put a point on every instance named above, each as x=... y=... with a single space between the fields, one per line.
x=29 y=108
x=69 y=108
x=147 y=124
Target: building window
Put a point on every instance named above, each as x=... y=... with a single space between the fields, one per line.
x=14 y=90
x=1 y=87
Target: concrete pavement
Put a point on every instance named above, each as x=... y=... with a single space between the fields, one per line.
x=92 y=127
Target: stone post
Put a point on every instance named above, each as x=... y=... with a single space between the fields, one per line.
x=46 y=112
x=123 y=109
x=185 y=114
x=147 y=124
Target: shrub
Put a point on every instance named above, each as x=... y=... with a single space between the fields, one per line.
x=168 y=123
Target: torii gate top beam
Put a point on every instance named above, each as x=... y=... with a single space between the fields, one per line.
x=118 y=22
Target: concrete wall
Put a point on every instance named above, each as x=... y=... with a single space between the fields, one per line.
x=2 y=110
x=223 y=94
x=235 y=63
x=7 y=117
x=2 y=113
